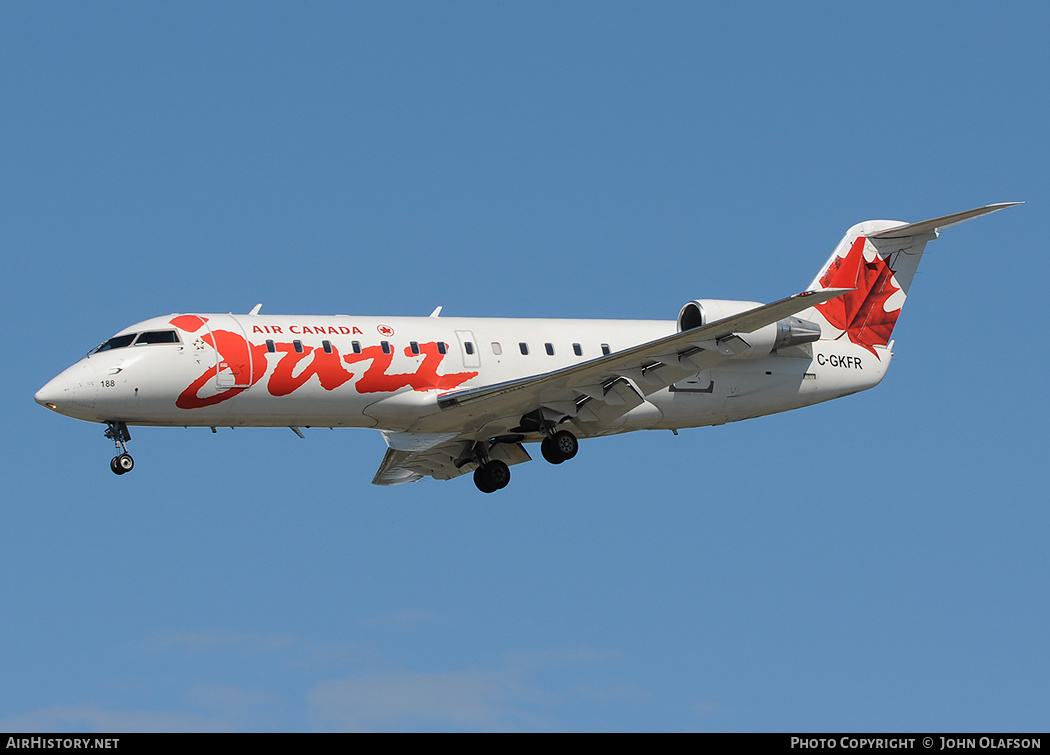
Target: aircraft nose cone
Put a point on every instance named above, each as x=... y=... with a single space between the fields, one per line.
x=55 y=390
x=72 y=392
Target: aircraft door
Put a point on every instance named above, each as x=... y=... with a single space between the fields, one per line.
x=469 y=349
x=233 y=354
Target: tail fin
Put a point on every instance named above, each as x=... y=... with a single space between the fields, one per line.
x=878 y=260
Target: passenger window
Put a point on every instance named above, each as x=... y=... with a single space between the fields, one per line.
x=270 y=346
x=386 y=346
x=524 y=348
x=605 y=349
x=577 y=349
x=496 y=348
x=327 y=345
x=356 y=346
x=550 y=349
x=414 y=346
x=442 y=347
x=298 y=346
x=468 y=347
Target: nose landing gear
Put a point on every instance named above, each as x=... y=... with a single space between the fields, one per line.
x=122 y=463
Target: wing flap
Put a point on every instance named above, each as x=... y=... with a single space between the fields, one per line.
x=394 y=471
x=620 y=397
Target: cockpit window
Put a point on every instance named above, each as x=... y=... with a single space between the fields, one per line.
x=157 y=336
x=117 y=342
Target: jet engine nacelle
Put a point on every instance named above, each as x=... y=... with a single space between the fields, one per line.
x=791 y=331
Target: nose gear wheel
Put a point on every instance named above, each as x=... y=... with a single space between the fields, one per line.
x=122 y=463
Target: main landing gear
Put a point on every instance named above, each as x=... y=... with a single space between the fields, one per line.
x=560 y=446
x=491 y=476
x=494 y=474
x=122 y=463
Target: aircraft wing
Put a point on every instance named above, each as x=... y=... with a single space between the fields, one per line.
x=590 y=394
x=413 y=456
x=649 y=366
x=410 y=466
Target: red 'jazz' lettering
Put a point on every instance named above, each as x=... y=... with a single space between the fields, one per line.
x=231 y=348
x=287 y=377
x=376 y=380
x=426 y=377
x=327 y=367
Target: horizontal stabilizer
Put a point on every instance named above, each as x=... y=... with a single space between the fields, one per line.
x=934 y=225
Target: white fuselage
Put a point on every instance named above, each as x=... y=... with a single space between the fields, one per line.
x=334 y=371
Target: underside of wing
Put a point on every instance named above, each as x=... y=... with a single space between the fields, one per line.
x=443 y=456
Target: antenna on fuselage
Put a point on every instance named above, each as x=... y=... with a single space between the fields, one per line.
x=255 y=309
x=436 y=312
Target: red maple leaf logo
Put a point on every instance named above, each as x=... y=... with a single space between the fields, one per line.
x=861 y=313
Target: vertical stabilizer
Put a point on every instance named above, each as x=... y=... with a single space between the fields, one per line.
x=878 y=260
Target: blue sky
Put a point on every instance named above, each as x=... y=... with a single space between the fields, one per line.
x=874 y=563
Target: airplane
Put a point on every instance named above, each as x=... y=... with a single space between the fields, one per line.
x=454 y=395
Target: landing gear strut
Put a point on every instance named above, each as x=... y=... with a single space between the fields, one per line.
x=122 y=463
x=559 y=447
